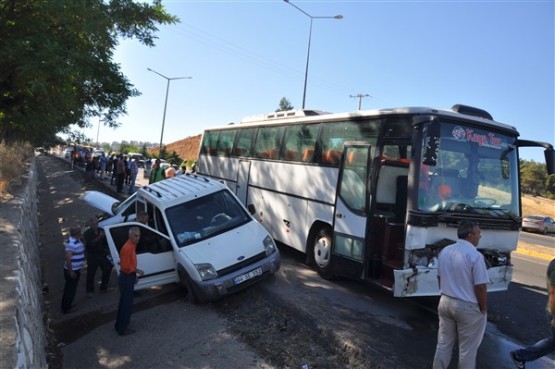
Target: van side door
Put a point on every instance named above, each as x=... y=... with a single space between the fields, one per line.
x=154 y=253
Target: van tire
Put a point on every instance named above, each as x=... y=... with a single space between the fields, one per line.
x=185 y=281
x=320 y=252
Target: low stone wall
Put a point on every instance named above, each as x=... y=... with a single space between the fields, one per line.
x=22 y=332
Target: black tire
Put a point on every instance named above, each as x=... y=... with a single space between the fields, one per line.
x=186 y=282
x=321 y=248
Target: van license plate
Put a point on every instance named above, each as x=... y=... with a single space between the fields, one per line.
x=247 y=276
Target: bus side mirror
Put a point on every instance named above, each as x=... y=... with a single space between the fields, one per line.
x=251 y=209
x=550 y=161
x=431 y=144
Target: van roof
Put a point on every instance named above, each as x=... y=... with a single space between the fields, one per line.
x=173 y=191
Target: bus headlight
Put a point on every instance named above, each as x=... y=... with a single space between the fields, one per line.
x=206 y=271
x=269 y=245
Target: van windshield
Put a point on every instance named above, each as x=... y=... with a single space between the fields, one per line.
x=205 y=217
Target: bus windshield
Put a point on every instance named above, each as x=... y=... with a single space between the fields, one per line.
x=468 y=170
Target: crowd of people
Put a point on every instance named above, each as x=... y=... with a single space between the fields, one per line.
x=88 y=252
x=123 y=170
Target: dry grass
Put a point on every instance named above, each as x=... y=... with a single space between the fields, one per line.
x=13 y=163
x=538 y=205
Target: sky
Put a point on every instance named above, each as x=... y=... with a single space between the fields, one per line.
x=244 y=56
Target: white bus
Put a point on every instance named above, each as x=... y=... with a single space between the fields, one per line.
x=375 y=195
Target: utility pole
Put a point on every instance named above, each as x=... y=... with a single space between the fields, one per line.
x=360 y=97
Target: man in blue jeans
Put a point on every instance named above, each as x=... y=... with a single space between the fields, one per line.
x=547 y=345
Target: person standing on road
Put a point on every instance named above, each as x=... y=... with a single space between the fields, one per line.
x=127 y=279
x=170 y=171
x=74 y=260
x=133 y=172
x=462 y=310
x=156 y=174
x=102 y=162
x=120 y=174
x=96 y=249
x=114 y=168
x=547 y=345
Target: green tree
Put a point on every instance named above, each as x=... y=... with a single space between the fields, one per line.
x=174 y=157
x=163 y=154
x=284 y=104
x=550 y=186
x=144 y=151
x=126 y=147
x=57 y=67
x=533 y=177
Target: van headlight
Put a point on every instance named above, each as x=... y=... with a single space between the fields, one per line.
x=206 y=271
x=269 y=245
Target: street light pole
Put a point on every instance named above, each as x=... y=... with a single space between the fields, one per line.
x=309 y=39
x=166 y=102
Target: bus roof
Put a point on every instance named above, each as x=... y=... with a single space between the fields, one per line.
x=457 y=111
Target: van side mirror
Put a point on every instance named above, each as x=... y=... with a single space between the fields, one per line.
x=251 y=209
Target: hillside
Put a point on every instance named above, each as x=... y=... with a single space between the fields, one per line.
x=538 y=205
x=187 y=148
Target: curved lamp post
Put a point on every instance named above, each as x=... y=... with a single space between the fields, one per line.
x=309 y=38
x=166 y=102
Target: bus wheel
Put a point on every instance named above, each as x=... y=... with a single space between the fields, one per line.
x=321 y=253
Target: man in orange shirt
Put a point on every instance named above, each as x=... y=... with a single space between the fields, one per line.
x=127 y=279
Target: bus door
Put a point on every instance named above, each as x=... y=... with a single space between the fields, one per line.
x=243 y=180
x=350 y=218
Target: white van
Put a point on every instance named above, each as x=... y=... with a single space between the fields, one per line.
x=199 y=234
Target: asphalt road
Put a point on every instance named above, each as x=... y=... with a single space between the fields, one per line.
x=361 y=320
x=539 y=239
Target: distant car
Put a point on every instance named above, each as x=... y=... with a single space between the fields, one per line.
x=538 y=223
x=97 y=153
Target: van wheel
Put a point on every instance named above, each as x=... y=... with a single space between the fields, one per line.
x=321 y=253
x=186 y=282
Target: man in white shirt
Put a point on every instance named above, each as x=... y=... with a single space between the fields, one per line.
x=462 y=310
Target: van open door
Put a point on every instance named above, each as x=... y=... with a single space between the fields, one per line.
x=154 y=253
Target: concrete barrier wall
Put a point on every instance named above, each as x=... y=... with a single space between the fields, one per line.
x=22 y=331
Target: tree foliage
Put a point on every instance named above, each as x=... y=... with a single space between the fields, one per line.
x=534 y=179
x=284 y=105
x=57 y=67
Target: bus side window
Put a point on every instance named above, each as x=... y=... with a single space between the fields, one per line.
x=298 y=141
x=210 y=142
x=267 y=142
x=243 y=144
x=225 y=142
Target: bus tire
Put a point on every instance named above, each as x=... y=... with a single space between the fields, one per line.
x=321 y=253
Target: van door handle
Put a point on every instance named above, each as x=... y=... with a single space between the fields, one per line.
x=287 y=223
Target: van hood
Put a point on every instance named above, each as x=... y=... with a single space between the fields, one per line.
x=101 y=201
x=228 y=248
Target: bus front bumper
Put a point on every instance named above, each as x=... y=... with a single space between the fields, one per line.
x=422 y=281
